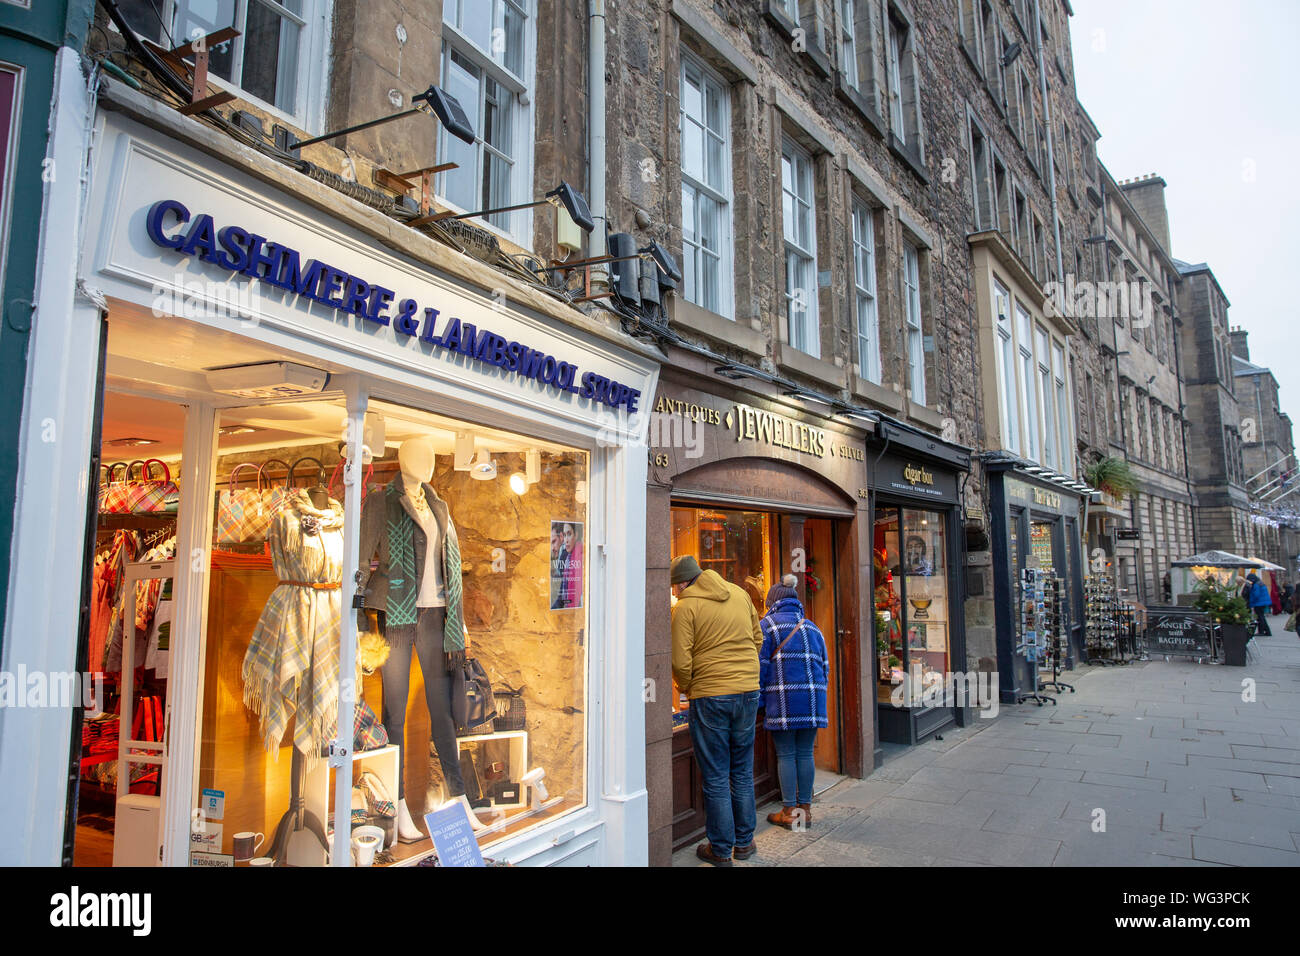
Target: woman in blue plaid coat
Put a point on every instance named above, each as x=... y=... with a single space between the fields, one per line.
x=793 y=669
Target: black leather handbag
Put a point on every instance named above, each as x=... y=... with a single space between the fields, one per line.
x=472 y=703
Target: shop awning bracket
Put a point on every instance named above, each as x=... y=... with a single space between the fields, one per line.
x=200 y=98
x=403 y=183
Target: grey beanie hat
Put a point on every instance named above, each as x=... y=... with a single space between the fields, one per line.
x=786 y=589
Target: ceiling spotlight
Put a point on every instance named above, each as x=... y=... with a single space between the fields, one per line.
x=464 y=453
x=518 y=483
x=484 y=468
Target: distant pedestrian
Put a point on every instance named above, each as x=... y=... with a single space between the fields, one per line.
x=1260 y=602
x=1288 y=596
x=793 y=672
x=715 y=663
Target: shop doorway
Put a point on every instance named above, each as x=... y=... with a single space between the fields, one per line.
x=753 y=550
x=124 y=647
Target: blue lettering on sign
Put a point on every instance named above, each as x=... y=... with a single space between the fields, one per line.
x=170 y=225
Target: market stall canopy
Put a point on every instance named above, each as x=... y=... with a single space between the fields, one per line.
x=1216 y=559
x=1268 y=565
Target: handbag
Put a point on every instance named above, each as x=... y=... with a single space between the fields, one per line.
x=273 y=498
x=152 y=495
x=235 y=509
x=367 y=732
x=109 y=489
x=512 y=713
x=116 y=496
x=472 y=701
x=338 y=468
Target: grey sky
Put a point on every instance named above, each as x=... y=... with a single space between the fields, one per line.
x=1205 y=95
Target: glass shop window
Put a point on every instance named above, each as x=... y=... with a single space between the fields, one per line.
x=472 y=560
x=911 y=597
x=740 y=545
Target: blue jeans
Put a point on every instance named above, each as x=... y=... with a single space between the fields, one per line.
x=794 y=764
x=722 y=730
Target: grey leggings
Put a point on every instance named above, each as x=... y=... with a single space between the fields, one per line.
x=425 y=637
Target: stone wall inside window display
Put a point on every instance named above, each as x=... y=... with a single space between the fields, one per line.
x=506 y=549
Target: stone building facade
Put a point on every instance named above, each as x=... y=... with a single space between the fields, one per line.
x=1214 y=442
x=1268 y=452
x=1150 y=395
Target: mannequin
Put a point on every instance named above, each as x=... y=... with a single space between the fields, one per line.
x=417 y=583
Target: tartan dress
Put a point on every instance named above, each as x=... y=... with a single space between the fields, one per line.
x=292 y=664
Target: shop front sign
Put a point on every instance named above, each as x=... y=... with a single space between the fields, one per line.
x=239 y=251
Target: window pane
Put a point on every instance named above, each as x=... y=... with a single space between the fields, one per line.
x=511 y=56
x=716 y=161
x=692 y=149
x=476 y=22
x=925 y=577
x=203 y=18
x=461 y=80
x=271 y=57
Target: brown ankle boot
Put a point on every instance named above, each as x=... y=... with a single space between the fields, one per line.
x=807 y=813
x=784 y=817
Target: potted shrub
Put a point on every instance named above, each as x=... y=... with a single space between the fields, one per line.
x=1111 y=475
x=1228 y=609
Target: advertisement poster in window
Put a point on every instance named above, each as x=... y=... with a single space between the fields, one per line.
x=566 y=565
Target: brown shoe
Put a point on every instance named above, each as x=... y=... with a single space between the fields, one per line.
x=743 y=852
x=807 y=813
x=705 y=852
x=784 y=817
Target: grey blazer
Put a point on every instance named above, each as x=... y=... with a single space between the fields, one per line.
x=378 y=509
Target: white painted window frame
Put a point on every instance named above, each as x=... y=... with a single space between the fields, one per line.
x=724 y=197
x=809 y=337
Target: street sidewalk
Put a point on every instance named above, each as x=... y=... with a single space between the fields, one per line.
x=1151 y=764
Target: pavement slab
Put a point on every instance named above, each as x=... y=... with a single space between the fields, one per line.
x=1157 y=763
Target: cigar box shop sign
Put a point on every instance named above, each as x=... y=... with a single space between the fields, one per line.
x=679 y=422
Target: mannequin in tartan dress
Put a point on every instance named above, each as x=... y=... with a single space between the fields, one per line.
x=292 y=664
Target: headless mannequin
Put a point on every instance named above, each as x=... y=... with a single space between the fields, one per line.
x=415 y=459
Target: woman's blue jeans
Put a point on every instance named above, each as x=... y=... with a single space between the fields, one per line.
x=794 y=764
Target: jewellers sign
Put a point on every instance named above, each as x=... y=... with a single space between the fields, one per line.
x=1178 y=633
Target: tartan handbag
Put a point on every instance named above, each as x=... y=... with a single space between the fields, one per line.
x=273 y=498
x=152 y=495
x=115 y=499
x=233 y=508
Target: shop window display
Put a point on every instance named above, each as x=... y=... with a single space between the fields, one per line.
x=470 y=547
x=738 y=545
x=912 y=612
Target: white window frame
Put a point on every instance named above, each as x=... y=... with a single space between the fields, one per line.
x=1029 y=405
x=866 y=310
x=312 y=79
x=912 y=316
x=1005 y=360
x=1046 y=395
x=849 y=45
x=1065 y=439
x=520 y=229
x=805 y=336
x=726 y=269
x=893 y=60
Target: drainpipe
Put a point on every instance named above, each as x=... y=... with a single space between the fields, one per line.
x=596 y=134
x=1047 y=123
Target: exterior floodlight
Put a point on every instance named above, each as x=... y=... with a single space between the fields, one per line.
x=562 y=196
x=664 y=260
x=444 y=106
x=449 y=112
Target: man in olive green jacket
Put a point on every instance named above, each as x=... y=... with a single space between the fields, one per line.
x=716 y=638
